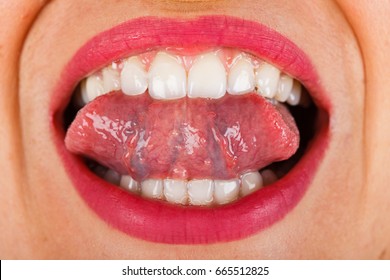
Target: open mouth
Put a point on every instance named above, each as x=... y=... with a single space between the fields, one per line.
x=191 y=131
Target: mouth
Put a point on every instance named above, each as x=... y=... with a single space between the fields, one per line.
x=190 y=131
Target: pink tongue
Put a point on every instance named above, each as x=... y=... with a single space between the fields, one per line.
x=186 y=138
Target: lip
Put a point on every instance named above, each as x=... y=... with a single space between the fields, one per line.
x=161 y=222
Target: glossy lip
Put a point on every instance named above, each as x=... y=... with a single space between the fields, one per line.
x=166 y=223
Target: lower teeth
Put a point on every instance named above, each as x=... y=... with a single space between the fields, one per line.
x=201 y=192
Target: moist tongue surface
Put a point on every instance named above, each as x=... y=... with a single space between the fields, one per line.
x=185 y=138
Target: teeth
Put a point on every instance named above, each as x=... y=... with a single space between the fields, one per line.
x=241 y=77
x=152 y=188
x=112 y=176
x=267 y=79
x=175 y=191
x=295 y=94
x=167 y=78
x=226 y=191
x=284 y=88
x=134 y=78
x=91 y=88
x=128 y=183
x=111 y=80
x=207 y=77
x=251 y=182
x=200 y=192
x=269 y=177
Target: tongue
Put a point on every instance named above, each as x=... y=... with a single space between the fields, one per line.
x=185 y=138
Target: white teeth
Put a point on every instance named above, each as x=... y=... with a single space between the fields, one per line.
x=251 y=182
x=269 y=177
x=91 y=88
x=267 y=79
x=175 y=191
x=200 y=192
x=167 y=78
x=207 y=77
x=112 y=176
x=241 y=77
x=152 y=188
x=134 y=78
x=111 y=80
x=128 y=183
x=284 y=88
x=295 y=94
x=226 y=191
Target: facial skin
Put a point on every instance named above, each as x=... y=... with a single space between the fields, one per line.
x=344 y=214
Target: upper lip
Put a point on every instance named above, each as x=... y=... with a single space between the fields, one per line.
x=158 y=222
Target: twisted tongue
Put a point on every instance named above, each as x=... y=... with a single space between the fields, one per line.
x=185 y=138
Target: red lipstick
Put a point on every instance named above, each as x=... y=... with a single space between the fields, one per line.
x=161 y=222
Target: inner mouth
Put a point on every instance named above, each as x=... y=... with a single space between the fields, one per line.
x=200 y=129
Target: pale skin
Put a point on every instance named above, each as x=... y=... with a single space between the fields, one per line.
x=344 y=214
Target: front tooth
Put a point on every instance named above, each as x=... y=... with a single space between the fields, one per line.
x=175 y=191
x=251 y=182
x=200 y=192
x=167 y=78
x=269 y=177
x=152 y=188
x=241 y=77
x=207 y=77
x=112 y=176
x=128 y=183
x=284 y=88
x=111 y=80
x=226 y=191
x=267 y=79
x=91 y=88
x=134 y=79
x=295 y=94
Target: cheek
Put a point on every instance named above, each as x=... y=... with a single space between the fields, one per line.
x=16 y=21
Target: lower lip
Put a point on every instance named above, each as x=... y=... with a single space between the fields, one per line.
x=166 y=223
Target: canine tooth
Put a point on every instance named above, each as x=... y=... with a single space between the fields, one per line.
x=200 y=192
x=226 y=191
x=284 y=88
x=111 y=80
x=295 y=94
x=134 y=79
x=167 y=78
x=267 y=79
x=251 y=182
x=112 y=176
x=269 y=177
x=152 y=188
x=207 y=77
x=128 y=183
x=175 y=191
x=91 y=88
x=241 y=78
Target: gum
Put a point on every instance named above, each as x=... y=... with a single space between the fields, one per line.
x=187 y=57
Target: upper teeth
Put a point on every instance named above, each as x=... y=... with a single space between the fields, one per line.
x=167 y=78
x=206 y=76
x=133 y=77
